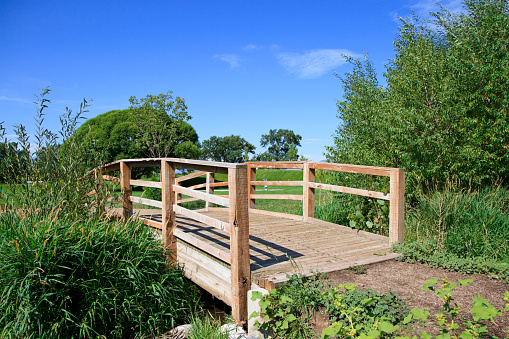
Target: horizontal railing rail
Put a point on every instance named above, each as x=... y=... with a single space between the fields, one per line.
x=396 y=196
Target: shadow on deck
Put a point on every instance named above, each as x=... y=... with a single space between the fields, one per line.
x=280 y=246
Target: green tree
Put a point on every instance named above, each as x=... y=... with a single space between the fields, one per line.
x=282 y=145
x=443 y=115
x=231 y=148
x=117 y=134
x=158 y=118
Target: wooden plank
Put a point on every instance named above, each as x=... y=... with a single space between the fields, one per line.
x=276 y=164
x=113 y=166
x=125 y=178
x=218 y=184
x=202 y=196
x=111 y=178
x=148 y=202
x=209 y=188
x=197 y=186
x=145 y=183
x=397 y=207
x=239 y=243
x=308 y=193
x=348 y=229
x=204 y=168
x=277 y=183
x=190 y=176
x=371 y=170
x=224 y=226
x=181 y=201
x=351 y=190
x=206 y=271
x=202 y=245
x=211 y=184
x=276 y=214
x=168 y=214
x=152 y=223
x=277 y=196
x=251 y=181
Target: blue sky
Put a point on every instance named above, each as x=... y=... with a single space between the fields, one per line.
x=243 y=67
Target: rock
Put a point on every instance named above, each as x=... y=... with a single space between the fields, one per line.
x=233 y=331
x=179 y=332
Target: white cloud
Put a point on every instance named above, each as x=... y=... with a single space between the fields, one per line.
x=423 y=8
x=231 y=59
x=315 y=63
x=251 y=47
x=24 y=101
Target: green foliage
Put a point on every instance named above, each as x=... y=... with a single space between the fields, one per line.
x=449 y=323
x=371 y=215
x=117 y=134
x=47 y=175
x=231 y=148
x=282 y=145
x=66 y=278
x=369 y=306
x=427 y=253
x=291 y=307
x=205 y=327
x=467 y=224
x=159 y=122
x=443 y=114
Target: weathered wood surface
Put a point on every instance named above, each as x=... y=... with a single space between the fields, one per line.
x=280 y=246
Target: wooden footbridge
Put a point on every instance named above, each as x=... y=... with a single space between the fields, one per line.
x=230 y=249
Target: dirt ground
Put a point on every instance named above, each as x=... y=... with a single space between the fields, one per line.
x=407 y=280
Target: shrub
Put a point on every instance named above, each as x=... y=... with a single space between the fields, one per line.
x=62 y=278
x=54 y=172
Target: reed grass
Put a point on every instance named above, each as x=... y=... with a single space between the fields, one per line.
x=68 y=278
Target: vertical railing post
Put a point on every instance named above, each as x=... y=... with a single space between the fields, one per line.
x=239 y=242
x=168 y=200
x=125 y=187
x=251 y=176
x=210 y=190
x=308 y=202
x=397 y=206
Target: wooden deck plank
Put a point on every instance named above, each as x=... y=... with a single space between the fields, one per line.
x=284 y=246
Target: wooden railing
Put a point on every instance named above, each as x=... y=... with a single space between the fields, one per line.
x=241 y=200
x=396 y=196
x=170 y=204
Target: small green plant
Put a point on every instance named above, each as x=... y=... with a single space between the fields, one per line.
x=426 y=252
x=371 y=215
x=291 y=306
x=449 y=323
x=205 y=327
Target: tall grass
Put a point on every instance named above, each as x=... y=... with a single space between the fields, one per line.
x=68 y=278
x=468 y=224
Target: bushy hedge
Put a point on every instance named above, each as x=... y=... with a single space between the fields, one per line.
x=61 y=278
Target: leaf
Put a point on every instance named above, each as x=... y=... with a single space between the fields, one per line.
x=256 y=295
x=291 y=318
x=387 y=327
x=419 y=313
x=465 y=282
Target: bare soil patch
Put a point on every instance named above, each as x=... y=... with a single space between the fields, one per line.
x=407 y=280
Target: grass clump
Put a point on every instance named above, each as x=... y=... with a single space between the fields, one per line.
x=67 y=278
x=466 y=232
